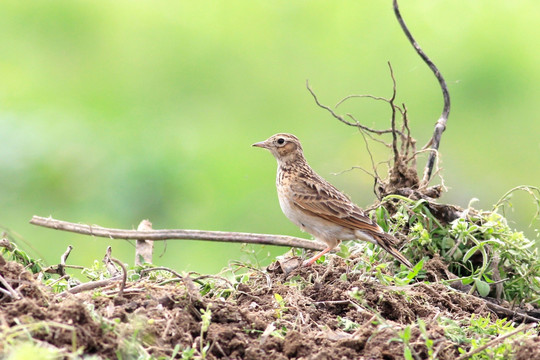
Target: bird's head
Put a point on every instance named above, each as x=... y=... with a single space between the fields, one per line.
x=286 y=148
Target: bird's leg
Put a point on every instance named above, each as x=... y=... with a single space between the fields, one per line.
x=316 y=257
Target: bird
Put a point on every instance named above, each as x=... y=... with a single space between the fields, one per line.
x=316 y=206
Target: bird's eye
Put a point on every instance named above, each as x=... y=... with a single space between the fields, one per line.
x=280 y=141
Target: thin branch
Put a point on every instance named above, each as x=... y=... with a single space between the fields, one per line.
x=393 y=122
x=356 y=123
x=337 y=116
x=64 y=277
x=440 y=126
x=63 y=258
x=107 y=260
x=60 y=269
x=89 y=286
x=380 y=98
x=341 y=118
x=369 y=131
x=175 y=273
x=5 y=292
x=124 y=276
x=12 y=292
x=180 y=234
x=515 y=315
x=351 y=169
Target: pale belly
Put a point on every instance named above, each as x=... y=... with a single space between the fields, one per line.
x=320 y=228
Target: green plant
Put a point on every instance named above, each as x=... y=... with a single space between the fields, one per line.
x=206 y=318
x=13 y=253
x=428 y=341
x=479 y=246
x=187 y=354
x=347 y=324
x=282 y=306
x=33 y=351
x=404 y=336
x=472 y=336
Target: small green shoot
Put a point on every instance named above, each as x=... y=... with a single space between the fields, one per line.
x=206 y=318
x=282 y=306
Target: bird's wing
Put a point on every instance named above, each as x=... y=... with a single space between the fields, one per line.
x=318 y=197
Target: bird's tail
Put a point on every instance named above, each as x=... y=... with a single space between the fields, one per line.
x=387 y=241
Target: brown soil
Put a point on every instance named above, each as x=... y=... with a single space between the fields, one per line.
x=250 y=323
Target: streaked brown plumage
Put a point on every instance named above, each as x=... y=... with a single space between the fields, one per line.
x=316 y=206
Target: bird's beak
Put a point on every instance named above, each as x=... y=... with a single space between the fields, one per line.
x=261 y=144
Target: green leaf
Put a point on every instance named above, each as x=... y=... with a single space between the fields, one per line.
x=470 y=253
x=482 y=287
x=382 y=215
x=448 y=243
x=406 y=336
x=407 y=353
x=494 y=241
x=458 y=254
x=416 y=269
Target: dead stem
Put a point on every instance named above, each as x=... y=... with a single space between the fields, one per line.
x=179 y=234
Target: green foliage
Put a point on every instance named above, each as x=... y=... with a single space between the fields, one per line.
x=20 y=342
x=477 y=332
x=206 y=318
x=282 y=306
x=188 y=353
x=32 y=351
x=347 y=324
x=480 y=247
x=22 y=257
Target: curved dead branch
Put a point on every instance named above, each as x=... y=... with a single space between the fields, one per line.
x=440 y=126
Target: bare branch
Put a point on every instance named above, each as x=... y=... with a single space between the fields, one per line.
x=380 y=98
x=124 y=276
x=341 y=118
x=60 y=269
x=162 y=268
x=337 y=116
x=393 y=122
x=440 y=126
x=89 y=286
x=180 y=234
x=9 y=290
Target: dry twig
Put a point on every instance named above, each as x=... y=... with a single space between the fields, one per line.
x=60 y=269
x=513 y=314
x=440 y=126
x=108 y=258
x=89 y=286
x=180 y=234
x=163 y=268
x=9 y=290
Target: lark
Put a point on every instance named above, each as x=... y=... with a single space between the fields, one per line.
x=316 y=206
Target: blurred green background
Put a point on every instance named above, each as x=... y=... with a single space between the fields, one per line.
x=112 y=112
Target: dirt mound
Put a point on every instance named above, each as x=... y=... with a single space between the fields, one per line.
x=323 y=312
